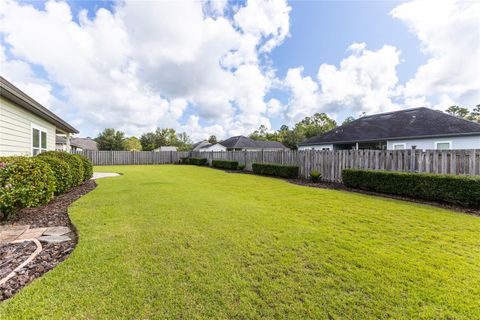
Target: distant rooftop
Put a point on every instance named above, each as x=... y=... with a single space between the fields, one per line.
x=242 y=142
x=410 y=123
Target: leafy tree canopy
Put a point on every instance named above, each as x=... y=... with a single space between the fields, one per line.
x=110 y=139
x=132 y=144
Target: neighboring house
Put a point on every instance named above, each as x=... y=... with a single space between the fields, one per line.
x=419 y=128
x=165 y=148
x=27 y=127
x=204 y=146
x=242 y=143
x=76 y=144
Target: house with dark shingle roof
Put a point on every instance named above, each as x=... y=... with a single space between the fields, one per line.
x=244 y=143
x=419 y=128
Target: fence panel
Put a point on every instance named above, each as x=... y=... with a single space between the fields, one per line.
x=329 y=163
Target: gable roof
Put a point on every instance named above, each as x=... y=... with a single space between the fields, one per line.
x=200 y=145
x=242 y=142
x=405 y=124
x=84 y=143
x=12 y=93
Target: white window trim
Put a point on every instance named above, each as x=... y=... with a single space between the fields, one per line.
x=404 y=145
x=40 y=128
x=438 y=142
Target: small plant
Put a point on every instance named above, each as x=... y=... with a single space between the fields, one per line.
x=315 y=176
x=241 y=167
x=184 y=160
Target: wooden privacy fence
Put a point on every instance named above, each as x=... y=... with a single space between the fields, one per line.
x=329 y=163
x=105 y=158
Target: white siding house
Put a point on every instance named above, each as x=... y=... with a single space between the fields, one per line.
x=213 y=147
x=419 y=128
x=26 y=127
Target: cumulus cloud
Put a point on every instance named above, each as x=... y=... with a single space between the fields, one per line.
x=364 y=81
x=144 y=64
x=449 y=34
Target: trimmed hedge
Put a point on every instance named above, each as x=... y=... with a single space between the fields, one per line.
x=61 y=171
x=87 y=167
x=458 y=190
x=198 y=161
x=225 y=164
x=75 y=163
x=24 y=182
x=275 y=170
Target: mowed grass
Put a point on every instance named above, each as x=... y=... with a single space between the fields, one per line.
x=184 y=242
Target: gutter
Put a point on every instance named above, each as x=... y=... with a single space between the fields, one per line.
x=393 y=138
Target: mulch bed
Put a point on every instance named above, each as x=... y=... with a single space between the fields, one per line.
x=51 y=214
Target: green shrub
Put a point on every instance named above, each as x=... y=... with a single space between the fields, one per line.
x=458 y=190
x=225 y=164
x=61 y=171
x=275 y=170
x=184 y=160
x=87 y=167
x=241 y=167
x=24 y=182
x=315 y=176
x=75 y=163
x=198 y=161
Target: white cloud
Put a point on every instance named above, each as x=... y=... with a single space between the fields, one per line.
x=449 y=33
x=144 y=64
x=265 y=18
x=364 y=81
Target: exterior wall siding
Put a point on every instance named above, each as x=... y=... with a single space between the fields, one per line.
x=317 y=147
x=215 y=147
x=457 y=143
x=15 y=129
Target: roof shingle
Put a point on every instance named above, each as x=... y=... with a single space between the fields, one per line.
x=411 y=123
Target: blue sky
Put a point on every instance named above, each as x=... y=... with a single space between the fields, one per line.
x=225 y=68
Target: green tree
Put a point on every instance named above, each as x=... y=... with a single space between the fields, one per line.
x=148 y=141
x=110 y=139
x=348 y=120
x=132 y=144
x=475 y=114
x=212 y=139
x=458 y=111
x=317 y=124
x=183 y=142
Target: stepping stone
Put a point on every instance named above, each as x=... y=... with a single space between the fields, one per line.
x=56 y=231
x=54 y=239
x=32 y=233
x=4 y=238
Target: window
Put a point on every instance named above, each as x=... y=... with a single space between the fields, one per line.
x=39 y=140
x=443 y=145
x=399 y=146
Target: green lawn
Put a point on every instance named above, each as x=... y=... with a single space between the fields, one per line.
x=184 y=242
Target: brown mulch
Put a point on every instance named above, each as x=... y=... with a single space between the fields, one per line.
x=51 y=214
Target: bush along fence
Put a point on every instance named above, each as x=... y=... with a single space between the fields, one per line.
x=328 y=163
x=458 y=190
x=33 y=181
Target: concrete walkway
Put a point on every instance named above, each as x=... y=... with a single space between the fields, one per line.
x=99 y=175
